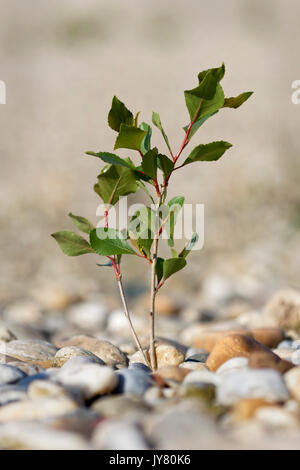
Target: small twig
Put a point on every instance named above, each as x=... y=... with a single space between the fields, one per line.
x=126 y=311
x=153 y=291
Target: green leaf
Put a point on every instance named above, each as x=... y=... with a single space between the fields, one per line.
x=71 y=243
x=199 y=107
x=159 y=269
x=165 y=164
x=114 y=182
x=109 y=264
x=196 y=125
x=217 y=72
x=236 y=102
x=189 y=246
x=129 y=138
x=175 y=205
x=109 y=241
x=111 y=158
x=145 y=189
x=208 y=152
x=157 y=122
x=119 y=114
x=172 y=266
x=146 y=144
x=149 y=163
x=82 y=223
x=145 y=242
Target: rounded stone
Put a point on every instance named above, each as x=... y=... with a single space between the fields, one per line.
x=133 y=381
x=207 y=339
x=292 y=380
x=276 y=417
x=44 y=388
x=233 y=346
x=10 y=374
x=88 y=316
x=251 y=383
x=246 y=408
x=67 y=352
x=265 y=360
x=173 y=373
x=168 y=355
x=190 y=365
x=109 y=353
x=6 y=335
x=269 y=337
x=283 y=310
x=139 y=365
x=201 y=376
x=88 y=378
x=234 y=364
x=32 y=410
x=120 y=405
x=32 y=351
x=11 y=393
x=198 y=357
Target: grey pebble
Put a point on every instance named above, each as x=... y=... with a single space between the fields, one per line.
x=133 y=381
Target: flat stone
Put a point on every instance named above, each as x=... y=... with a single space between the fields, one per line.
x=105 y=350
x=67 y=352
x=32 y=351
x=253 y=383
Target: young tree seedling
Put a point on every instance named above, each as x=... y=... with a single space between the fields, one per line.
x=120 y=177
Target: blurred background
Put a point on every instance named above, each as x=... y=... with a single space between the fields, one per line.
x=62 y=62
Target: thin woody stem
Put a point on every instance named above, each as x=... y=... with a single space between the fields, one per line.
x=116 y=268
x=126 y=311
x=153 y=357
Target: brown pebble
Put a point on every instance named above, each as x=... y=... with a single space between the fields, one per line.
x=173 y=372
x=246 y=408
x=209 y=338
x=230 y=346
x=269 y=360
x=269 y=337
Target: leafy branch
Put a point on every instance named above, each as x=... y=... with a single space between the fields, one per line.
x=121 y=177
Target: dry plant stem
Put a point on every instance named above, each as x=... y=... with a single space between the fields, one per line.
x=126 y=311
x=118 y=275
x=153 y=357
